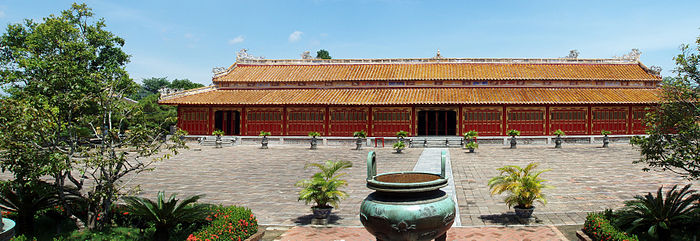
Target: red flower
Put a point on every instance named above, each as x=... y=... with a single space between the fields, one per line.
x=126 y=213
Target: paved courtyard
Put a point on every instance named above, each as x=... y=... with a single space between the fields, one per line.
x=586 y=178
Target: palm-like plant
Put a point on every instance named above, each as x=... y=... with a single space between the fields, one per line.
x=166 y=214
x=324 y=187
x=524 y=185
x=26 y=201
x=659 y=216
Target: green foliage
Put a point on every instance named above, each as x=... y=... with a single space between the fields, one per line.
x=107 y=234
x=660 y=216
x=399 y=145
x=605 y=133
x=25 y=201
x=227 y=223
x=184 y=84
x=513 y=132
x=313 y=133
x=471 y=134
x=21 y=238
x=154 y=84
x=360 y=134
x=265 y=133
x=522 y=184
x=166 y=214
x=402 y=133
x=323 y=54
x=324 y=187
x=218 y=133
x=599 y=228
x=471 y=145
x=674 y=127
x=158 y=117
x=559 y=132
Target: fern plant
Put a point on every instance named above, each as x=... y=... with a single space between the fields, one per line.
x=323 y=188
x=559 y=132
x=360 y=134
x=166 y=214
x=313 y=133
x=513 y=132
x=662 y=215
x=471 y=134
x=217 y=133
x=605 y=133
x=524 y=186
x=264 y=133
x=402 y=133
x=399 y=145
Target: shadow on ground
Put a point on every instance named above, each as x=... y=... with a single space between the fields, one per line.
x=306 y=219
x=508 y=218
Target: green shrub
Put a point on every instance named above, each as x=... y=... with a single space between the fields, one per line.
x=559 y=132
x=21 y=238
x=599 y=228
x=604 y=132
x=471 y=145
x=471 y=134
x=217 y=133
x=265 y=133
x=107 y=234
x=227 y=223
x=399 y=145
x=513 y=132
x=402 y=133
x=360 y=134
x=313 y=133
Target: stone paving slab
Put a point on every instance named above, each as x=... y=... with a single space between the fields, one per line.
x=263 y=180
x=585 y=178
x=539 y=233
x=430 y=161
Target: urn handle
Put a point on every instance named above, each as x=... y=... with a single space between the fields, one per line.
x=443 y=159
x=372 y=165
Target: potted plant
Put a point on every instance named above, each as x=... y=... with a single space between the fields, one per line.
x=512 y=134
x=264 y=140
x=360 y=135
x=401 y=135
x=399 y=146
x=314 y=139
x=605 y=138
x=471 y=146
x=470 y=136
x=323 y=189
x=557 y=140
x=523 y=185
x=218 y=134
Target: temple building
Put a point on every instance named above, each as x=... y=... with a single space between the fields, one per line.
x=426 y=97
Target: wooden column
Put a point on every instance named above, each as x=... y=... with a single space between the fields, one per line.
x=547 y=123
x=284 y=121
x=414 y=122
x=244 y=119
x=370 y=122
x=629 y=119
x=504 y=122
x=590 y=120
x=460 y=118
x=210 y=123
x=327 y=122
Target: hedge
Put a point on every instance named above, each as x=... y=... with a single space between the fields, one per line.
x=227 y=223
x=599 y=229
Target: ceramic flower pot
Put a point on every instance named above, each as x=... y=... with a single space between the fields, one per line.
x=606 y=141
x=524 y=213
x=557 y=142
x=314 y=143
x=513 y=143
x=321 y=212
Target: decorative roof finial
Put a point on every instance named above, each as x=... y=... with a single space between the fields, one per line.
x=438 y=56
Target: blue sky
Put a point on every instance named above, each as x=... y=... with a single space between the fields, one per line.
x=186 y=39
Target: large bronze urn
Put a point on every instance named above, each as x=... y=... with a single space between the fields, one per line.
x=407 y=205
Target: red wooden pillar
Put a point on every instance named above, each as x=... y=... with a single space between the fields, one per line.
x=210 y=123
x=244 y=119
x=327 y=122
x=460 y=118
x=504 y=122
x=370 y=123
x=414 y=122
x=590 y=120
x=547 y=128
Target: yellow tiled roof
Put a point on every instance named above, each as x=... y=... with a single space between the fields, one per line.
x=436 y=71
x=409 y=96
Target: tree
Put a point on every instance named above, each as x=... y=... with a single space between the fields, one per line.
x=154 y=84
x=157 y=116
x=184 y=84
x=69 y=72
x=323 y=54
x=673 y=143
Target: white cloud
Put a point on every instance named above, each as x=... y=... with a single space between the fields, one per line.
x=236 y=40
x=295 y=36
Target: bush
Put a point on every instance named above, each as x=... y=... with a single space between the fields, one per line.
x=21 y=238
x=227 y=223
x=598 y=227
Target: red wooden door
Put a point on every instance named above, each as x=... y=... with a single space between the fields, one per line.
x=301 y=121
x=571 y=120
x=638 y=113
x=194 y=120
x=263 y=119
x=530 y=121
x=609 y=118
x=387 y=121
x=346 y=120
x=485 y=120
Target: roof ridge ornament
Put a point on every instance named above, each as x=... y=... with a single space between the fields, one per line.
x=244 y=55
x=438 y=56
x=633 y=55
x=573 y=54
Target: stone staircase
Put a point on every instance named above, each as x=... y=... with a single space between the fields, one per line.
x=436 y=142
x=211 y=140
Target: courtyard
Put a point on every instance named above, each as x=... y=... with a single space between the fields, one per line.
x=585 y=178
